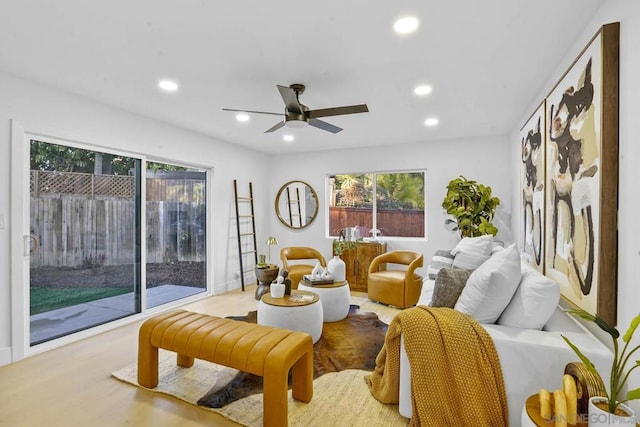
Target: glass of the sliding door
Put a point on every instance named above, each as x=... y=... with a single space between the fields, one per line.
x=84 y=220
x=175 y=232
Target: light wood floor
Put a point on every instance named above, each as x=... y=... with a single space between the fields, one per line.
x=72 y=386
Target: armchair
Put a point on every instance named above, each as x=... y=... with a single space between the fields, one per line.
x=400 y=288
x=297 y=269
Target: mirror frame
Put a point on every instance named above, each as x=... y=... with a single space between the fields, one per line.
x=277 y=205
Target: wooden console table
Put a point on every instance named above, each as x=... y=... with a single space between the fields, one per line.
x=357 y=260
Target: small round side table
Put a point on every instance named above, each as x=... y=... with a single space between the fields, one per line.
x=300 y=311
x=334 y=297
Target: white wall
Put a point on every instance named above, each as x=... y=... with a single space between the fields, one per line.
x=483 y=159
x=75 y=118
x=627 y=12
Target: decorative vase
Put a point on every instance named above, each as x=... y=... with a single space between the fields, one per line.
x=337 y=269
x=277 y=290
x=601 y=418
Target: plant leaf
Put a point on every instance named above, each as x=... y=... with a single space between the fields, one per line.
x=596 y=319
x=632 y=328
x=589 y=365
x=633 y=394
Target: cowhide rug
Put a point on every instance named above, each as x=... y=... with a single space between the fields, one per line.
x=351 y=343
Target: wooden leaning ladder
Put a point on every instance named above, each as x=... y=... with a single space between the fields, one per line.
x=250 y=220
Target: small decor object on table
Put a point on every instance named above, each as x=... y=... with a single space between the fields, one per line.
x=310 y=281
x=277 y=288
x=337 y=268
x=287 y=282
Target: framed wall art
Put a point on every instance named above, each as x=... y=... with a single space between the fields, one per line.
x=532 y=187
x=582 y=177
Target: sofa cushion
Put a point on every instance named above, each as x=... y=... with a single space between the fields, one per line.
x=491 y=286
x=469 y=260
x=448 y=287
x=441 y=258
x=480 y=245
x=533 y=302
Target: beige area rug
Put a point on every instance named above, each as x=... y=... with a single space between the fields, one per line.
x=339 y=398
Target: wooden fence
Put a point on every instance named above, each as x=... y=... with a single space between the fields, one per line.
x=179 y=186
x=390 y=222
x=77 y=231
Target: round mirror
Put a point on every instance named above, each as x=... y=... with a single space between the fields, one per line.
x=296 y=204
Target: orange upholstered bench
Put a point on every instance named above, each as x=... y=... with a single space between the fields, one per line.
x=261 y=350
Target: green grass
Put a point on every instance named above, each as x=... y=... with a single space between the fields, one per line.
x=46 y=299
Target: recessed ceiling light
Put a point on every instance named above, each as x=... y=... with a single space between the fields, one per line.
x=168 y=85
x=431 y=121
x=406 y=25
x=288 y=138
x=422 y=90
x=242 y=117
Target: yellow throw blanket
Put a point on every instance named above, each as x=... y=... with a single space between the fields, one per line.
x=456 y=379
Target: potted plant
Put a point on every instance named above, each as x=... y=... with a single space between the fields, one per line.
x=619 y=374
x=472 y=206
x=340 y=245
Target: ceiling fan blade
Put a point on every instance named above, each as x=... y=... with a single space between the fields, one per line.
x=290 y=99
x=254 y=112
x=324 y=125
x=275 y=127
x=338 y=111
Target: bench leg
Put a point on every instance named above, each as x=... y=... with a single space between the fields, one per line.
x=184 y=361
x=275 y=398
x=147 y=365
x=302 y=373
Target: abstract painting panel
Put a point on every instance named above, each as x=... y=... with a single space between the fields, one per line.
x=581 y=177
x=532 y=187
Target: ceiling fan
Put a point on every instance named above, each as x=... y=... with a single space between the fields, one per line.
x=297 y=115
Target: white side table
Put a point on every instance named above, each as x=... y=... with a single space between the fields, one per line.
x=300 y=311
x=335 y=299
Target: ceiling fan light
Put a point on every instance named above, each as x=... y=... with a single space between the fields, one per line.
x=288 y=138
x=296 y=124
x=242 y=117
x=406 y=25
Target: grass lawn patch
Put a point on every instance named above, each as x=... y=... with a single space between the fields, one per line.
x=47 y=299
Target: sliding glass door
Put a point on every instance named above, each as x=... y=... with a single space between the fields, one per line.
x=85 y=267
x=106 y=236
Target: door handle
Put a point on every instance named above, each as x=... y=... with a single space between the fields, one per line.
x=31 y=244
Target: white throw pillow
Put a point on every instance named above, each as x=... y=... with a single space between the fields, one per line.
x=491 y=286
x=441 y=259
x=480 y=245
x=468 y=260
x=533 y=303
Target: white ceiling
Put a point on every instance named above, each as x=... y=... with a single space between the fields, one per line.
x=486 y=61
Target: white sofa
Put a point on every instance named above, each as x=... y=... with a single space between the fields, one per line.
x=530 y=359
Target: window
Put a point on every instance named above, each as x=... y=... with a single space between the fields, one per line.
x=397 y=210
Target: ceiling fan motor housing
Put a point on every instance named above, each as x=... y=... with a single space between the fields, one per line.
x=294 y=120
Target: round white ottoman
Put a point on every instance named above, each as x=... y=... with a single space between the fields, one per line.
x=335 y=299
x=300 y=311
